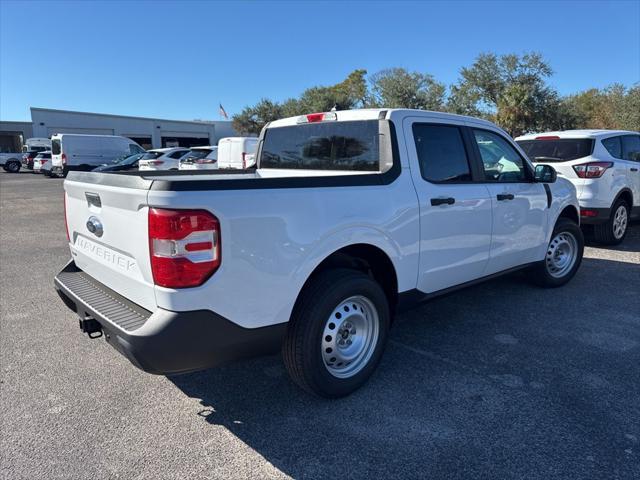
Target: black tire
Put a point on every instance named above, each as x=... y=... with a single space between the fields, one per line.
x=12 y=166
x=302 y=346
x=542 y=273
x=605 y=233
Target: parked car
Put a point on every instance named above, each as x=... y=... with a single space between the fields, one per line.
x=604 y=166
x=11 y=162
x=45 y=168
x=237 y=152
x=200 y=158
x=28 y=157
x=36 y=144
x=85 y=152
x=126 y=163
x=349 y=216
x=40 y=160
x=163 y=158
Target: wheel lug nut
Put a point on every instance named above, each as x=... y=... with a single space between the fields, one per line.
x=349 y=342
x=353 y=331
x=341 y=342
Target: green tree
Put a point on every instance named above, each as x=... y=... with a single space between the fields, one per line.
x=348 y=94
x=613 y=107
x=252 y=119
x=398 y=88
x=510 y=90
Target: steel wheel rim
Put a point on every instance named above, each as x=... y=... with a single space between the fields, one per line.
x=13 y=167
x=620 y=222
x=350 y=336
x=561 y=254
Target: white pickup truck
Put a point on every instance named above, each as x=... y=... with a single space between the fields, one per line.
x=348 y=217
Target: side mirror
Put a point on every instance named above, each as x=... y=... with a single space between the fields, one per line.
x=545 y=174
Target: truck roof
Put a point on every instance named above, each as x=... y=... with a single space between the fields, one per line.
x=374 y=113
x=586 y=133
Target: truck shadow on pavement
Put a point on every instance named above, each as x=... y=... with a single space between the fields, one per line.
x=499 y=380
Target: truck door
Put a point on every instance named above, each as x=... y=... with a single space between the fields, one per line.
x=455 y=211
x=520 y=205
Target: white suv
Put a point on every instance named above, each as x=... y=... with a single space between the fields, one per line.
x=162 y=158
x=604 y=165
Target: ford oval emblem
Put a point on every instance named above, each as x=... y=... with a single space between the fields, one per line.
x=95 y=226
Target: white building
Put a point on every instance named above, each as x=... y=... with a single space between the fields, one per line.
x=148 y=132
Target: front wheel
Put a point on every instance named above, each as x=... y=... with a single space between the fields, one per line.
x=337 y=333
x=12 y=167
x=562 y=257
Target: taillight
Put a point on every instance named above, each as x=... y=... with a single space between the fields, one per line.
x=592 y=169
x=155 y=163
x=244 y=160
x=204 y=161
x=64 y=159
x=66 y=223
x=184 y=246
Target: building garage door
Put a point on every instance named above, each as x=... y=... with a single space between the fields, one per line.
x=184 y=139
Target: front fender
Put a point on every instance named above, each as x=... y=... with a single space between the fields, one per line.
x=563 y=195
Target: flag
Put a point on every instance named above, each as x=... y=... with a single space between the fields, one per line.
x=223 y=112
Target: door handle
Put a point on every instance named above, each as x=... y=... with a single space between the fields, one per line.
x=443 y=201
x=505 y=196
x=634 y=169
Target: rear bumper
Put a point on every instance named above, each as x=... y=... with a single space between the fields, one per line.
x=163 y=342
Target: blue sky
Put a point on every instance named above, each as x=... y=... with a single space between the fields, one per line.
x=177 y=60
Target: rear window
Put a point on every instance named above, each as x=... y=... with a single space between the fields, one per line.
x=200 y=153
x=55 y=147
x=323 y=146
x=151 y=155
x=557 y=150
x=44 y=155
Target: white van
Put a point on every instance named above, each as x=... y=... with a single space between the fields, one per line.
x=36 y=144
x=85 y=152
x=237 y=152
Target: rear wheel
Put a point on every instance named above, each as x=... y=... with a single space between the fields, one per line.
x=563 y=255
x=337 y=333
x=613 y=231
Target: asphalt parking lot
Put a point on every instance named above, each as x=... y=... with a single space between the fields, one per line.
x=502 y=380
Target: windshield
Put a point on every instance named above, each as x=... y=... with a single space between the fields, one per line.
x=323 y=146
x=557 y=150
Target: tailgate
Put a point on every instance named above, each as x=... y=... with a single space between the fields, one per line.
x=107 y=223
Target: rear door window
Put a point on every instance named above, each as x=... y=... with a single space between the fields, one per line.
x=613 y=145
x=631 y=147
x=441 y=153
x=352 y=145
x=557 y=150
x=55 y=147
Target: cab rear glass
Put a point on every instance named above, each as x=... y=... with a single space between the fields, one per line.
x=352 y=145
x=557 y=150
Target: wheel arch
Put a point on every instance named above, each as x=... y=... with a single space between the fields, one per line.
x=626 y=195
x=570 y=212
x=364 y=257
